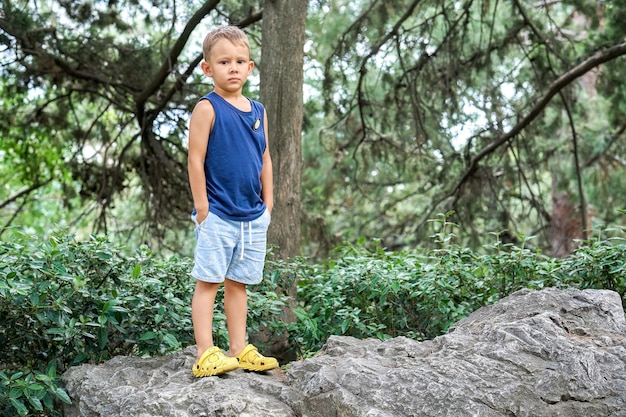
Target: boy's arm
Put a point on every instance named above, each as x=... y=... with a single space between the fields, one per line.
x=267 y=180
x=200 y=126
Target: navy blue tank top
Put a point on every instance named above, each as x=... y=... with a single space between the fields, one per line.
x=234 y=160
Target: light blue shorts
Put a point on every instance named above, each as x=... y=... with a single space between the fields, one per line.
x=230 y=249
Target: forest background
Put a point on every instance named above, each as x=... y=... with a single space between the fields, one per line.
x=429 y=158
x=510 y=114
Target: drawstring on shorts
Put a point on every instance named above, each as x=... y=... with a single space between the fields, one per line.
x=243 y=237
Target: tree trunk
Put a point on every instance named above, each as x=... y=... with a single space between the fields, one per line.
x=282 y=77
x=567 y=223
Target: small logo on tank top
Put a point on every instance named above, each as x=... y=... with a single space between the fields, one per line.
x=256 y=125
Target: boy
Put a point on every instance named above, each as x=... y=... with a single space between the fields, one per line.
x=230 y=174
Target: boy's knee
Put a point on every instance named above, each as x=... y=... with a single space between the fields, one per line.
x=233 y=284
x=206 y=286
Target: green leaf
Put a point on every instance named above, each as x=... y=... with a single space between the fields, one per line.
x=148 y=336
x=36 y=403
x=171 y=340
x=15 y=393
x=55 y=330
x=34 y=299
x=16 y=375
x=48 y=402
x=62 y=395
x=107 y=306
x=103 y=337
x=19 y=407
x=78 y=359
x=104 y=256
x=136 y=271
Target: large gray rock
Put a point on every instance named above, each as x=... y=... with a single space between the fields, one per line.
x=534 y=353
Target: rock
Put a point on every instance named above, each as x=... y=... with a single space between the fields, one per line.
x=535 y=353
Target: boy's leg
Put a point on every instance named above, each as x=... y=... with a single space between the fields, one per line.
x=236 y=309
x=202 y=305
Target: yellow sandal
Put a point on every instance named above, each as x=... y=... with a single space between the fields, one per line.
x=214 y=362
x=251 y=360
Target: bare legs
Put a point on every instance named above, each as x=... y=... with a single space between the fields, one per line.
x=202 y=314
x=235 y=307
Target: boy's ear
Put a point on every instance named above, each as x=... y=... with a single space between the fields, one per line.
x=206 y=69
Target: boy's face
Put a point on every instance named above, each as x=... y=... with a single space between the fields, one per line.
x=229 y=65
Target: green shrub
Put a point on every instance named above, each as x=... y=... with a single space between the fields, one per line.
x=64 y=303
x=599 y=264
x=32 y=393
x=367 y=291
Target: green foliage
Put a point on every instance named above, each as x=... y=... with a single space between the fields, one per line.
x=32 y=393
x=268 y=300
x=600 y=263
x=405 y=99
x=64 y=303
x=400 y=97
x=67 y=131
x=371 y=292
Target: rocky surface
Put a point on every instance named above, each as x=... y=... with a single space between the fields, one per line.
x=534 y=353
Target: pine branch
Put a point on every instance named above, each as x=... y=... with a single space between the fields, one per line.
x=598 y=58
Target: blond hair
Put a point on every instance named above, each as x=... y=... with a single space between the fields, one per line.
x=231 y=33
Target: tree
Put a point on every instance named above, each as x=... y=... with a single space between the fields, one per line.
x=116 y=81
x=471 y=106
x=413 y=108
x=282 y=75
